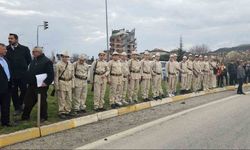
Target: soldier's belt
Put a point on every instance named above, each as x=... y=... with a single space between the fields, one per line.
x=135 y=71
x=100 y=74
x=157 y=73
x=117 y=75
x=146 y=72
x=125 y=76
x=63 y=79
x=81 y=78
x=171 y=73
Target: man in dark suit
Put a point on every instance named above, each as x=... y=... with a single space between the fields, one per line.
x=5 y=80
x=19 y=59
x=39 y=65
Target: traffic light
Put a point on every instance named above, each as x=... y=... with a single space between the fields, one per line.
x=46 y=25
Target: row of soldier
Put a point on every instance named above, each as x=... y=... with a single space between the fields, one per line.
x=126 y=77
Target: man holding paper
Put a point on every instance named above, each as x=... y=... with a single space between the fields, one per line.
x=40 y=75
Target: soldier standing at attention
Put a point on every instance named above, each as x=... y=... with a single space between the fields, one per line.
x=134 y=77
x=190 y=72
x=201 y=76
x=116 y=78
x=197 y=73
x=206 y=72
x=177 y=66
x=171 y=74
x=157 y=78
x=184 y=75
x=81 y=85
x=64 y=82
x=99 y=74
x=213 y=67
x=125 y=70
x=146 y=72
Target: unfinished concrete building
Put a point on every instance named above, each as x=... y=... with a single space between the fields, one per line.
x=123 y=41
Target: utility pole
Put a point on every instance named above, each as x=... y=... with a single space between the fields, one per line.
x=107 y=28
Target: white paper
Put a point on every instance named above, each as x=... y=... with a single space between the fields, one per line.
x=40 y=78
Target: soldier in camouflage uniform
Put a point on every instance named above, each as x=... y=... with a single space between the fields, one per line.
x=64 y=82
x=81 y=85
x=99 y=74
x=134 y=77
x=116 y=78
x=125 y=70
x=157 y=78
x=146 y=72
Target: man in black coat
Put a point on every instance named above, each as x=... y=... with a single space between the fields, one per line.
x=39 y=65
x=19 y=58
x=232 y=70
x=241 y=75
x=5 y=80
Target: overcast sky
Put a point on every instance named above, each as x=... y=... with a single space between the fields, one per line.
x=79 y=25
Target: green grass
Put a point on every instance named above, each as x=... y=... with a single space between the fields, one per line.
x=53 y=109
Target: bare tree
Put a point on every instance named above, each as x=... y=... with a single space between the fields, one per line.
x=74 y=57
x=199 y=49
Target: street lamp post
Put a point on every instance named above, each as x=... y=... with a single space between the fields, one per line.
x=107 y=29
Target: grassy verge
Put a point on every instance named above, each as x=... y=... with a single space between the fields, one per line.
x=53 y=109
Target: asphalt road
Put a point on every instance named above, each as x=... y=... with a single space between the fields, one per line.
x=83 y=135
x=224 y=124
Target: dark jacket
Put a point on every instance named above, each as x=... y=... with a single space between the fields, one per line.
x=19 y=60
x=5 y=85
x=232 y=69
x=40 y=65
x=241 y=73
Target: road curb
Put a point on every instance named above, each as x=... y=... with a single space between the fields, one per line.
x=57 y=127
x=107 y=114
x=85 y=120
x=32 y=133
x=142 y=106
x=125 y=110
x=19 y=136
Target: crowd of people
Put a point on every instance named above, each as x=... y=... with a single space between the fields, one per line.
x=18 y=78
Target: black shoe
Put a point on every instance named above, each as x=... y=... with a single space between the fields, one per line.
x=83 y=111
x=102 y=109
x=155 y=98
x=72 y=114
x=97 y=110
x=113 y=106
x=243 y=93
x=135 y=101
x=62 y=116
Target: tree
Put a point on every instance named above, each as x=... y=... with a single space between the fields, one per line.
x=74 y=57
x=199 y=49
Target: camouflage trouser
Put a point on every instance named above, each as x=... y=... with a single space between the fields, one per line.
x=172 y=84
x=115 y=89
x=189 y=81
x=79 y=97
x=64 y=101
x=99 y=92
x=156 y=85
x=133 y=89
x=124 y=88
x=184 y=82
x=145 y=87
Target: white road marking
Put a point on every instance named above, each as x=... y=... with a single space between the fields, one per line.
x=126 y=133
